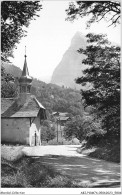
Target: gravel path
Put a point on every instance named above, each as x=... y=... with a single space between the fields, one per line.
x=65 y=150
x=92 y=172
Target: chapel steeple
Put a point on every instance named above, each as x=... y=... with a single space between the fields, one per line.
x=25 y=80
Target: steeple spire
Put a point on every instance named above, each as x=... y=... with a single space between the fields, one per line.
x=25 y=71
x=25 y=80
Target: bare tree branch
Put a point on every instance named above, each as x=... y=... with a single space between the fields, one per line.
x=115 y=21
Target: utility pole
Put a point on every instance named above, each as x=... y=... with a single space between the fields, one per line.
x=35 y=138
x=60 y=127
x=57 y=129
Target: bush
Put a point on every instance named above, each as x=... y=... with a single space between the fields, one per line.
x=60 y=181
x=107 y=153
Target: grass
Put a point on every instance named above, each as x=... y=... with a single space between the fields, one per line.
x=20 y=171
x=29 y=172
x=105 y=151
x=11 y=152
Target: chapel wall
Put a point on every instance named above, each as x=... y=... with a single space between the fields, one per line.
x=15 y=130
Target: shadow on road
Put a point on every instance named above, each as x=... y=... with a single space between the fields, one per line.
x=95 y=172
x=81 y=168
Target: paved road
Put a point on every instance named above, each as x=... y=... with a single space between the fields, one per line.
x=80 y=167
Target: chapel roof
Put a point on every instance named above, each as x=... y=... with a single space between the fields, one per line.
x=63 y=114
x=11 y=108
x=55 y=113
x=63 y=118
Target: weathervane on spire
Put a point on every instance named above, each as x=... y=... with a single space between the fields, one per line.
x=25 y=52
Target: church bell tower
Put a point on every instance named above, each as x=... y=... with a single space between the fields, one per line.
x=25 y=81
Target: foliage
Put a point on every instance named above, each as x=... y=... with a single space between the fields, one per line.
x=15 y=16
x=107 y=152
x=8 y=85
x=74 y=128
x=103 y=74
x=95 y=10
x=47 y=132
x=81 y=127
x=31 y=172
x=59 y=99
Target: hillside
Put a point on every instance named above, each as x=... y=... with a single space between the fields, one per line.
x=11 y=69
x=53 y=97
x=71 y=65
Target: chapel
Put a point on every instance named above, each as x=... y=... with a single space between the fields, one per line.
x=21 y=117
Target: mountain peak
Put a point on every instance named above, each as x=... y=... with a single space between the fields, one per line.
x=78 y=40
x=71 y=65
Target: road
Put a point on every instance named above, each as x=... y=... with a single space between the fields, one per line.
x=86 y=170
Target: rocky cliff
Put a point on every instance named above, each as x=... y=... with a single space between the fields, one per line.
x=71 y=65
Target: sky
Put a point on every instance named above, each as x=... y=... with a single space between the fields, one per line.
x=49 y=36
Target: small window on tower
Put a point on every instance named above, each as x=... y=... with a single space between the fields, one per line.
x=28 y=89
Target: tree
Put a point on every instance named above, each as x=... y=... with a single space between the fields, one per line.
x=103 y=73
x=96 y=10
x=74 y=128
x=15 y=16
x=48 y=132
x=9 y=85
x=81 y=127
